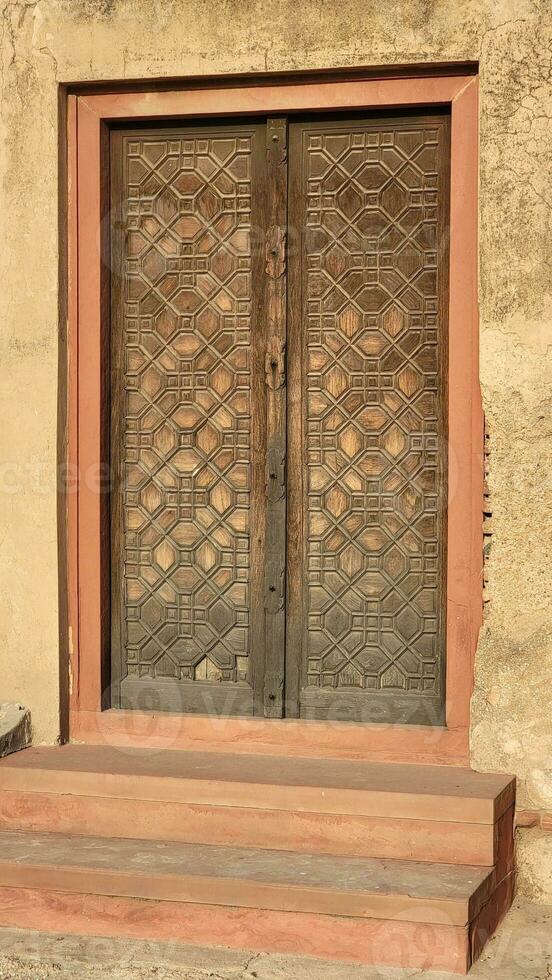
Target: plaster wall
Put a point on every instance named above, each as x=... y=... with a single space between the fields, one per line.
x=45 y=42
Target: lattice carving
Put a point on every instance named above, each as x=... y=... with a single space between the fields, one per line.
x=373 y=404
x=186 y=419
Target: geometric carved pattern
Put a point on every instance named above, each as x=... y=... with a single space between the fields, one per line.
x=186 y=415
x=373 y=409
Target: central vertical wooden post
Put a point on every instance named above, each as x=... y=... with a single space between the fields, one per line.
x=275 y=366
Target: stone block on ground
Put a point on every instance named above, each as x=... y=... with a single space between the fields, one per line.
x=15 y=727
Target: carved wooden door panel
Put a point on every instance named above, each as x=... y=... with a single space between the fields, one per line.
x=278 y=418
x=367 y=427
x=188 y=438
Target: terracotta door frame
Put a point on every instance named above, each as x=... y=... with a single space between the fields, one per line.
x=88 y=117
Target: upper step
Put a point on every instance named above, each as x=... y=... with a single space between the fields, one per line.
x=246 y=877
x=438 y=793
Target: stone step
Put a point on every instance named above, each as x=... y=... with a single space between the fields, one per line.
x=404 y=913
x=429 y=813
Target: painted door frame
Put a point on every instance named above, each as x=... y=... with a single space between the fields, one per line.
x=88 y=115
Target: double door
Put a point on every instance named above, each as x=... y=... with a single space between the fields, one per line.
x=278 y=423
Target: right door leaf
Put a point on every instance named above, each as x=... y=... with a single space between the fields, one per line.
x=368 y=318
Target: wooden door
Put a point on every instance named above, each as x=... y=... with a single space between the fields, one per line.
x=367 y=422
x=188 y=433
x=278 y=512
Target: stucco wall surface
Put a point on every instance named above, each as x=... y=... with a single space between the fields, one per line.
x=49 y=41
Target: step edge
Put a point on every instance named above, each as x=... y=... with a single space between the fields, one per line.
x=238 y=892
x=80 y=914
x=341 y=835
x=51 y=796
x=259 y=795
x=263 y=759
x=19 y=762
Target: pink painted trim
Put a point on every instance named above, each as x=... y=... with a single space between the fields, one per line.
x=263 y=736
x=464 y=603
x=264 y=98
x=465 y=491
x=72 y=400
x=89 y=410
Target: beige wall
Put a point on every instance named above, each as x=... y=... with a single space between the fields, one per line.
x=49 y=41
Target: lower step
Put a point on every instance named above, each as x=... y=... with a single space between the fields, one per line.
x=405 y=914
